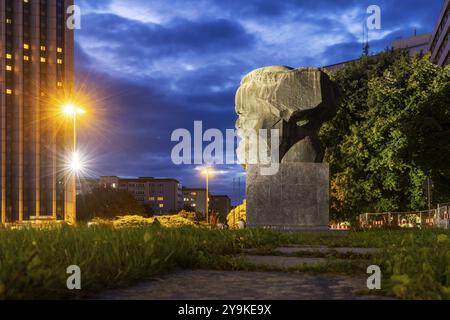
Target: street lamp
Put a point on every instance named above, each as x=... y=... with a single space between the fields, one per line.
x=71 y=110
x=207 y=172
x=75 y=163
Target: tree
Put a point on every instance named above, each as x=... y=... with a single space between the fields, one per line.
x=107 y=203
x=188 y=208
x=391 y=132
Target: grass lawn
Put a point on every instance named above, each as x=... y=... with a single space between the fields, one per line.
x=415 y=264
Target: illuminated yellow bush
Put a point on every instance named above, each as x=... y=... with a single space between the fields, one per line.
x=237 y=214
x=170 y=221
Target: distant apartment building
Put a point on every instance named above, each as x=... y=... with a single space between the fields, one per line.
x=86 y=185
x=220 y=204
x=415 y=45
x=162 y=196
x=195 y=198
x=439 y=43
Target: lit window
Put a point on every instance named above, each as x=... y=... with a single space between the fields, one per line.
x=43 y=59
x=193 y=193
x=8 y=21
x=59 y=61
x=160 y=198
x=8 y=91
x=26 y=58
x=59 y=84
x=8 y=56
x=151 y=199
x=26 y=46
x=8 y=68
x=59 y=50
x=161 y=205
x=113 y=185
x=43 y=48
x=26 y=1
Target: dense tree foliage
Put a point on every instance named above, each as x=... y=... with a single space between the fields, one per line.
x=391 y=132
x=107 y=203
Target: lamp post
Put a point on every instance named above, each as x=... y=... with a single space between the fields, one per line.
x=207 y=172
x=71 y=110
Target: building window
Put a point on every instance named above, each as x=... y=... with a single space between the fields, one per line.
x=160 y=198
x=161 y=205
x=8 y=21
x=43 y=48
x=8 y=91
x=8 y=68
x=151 y=198
x=60 y=50
x=26 y=46
x=59 y=61
x=59 y=84
x=8 y=56
x=43 y=59
x=26 y=58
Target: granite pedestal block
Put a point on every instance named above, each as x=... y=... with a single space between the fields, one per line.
x=294 y=199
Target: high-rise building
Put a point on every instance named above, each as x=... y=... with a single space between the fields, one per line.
x=36 y=61
x=440 y=40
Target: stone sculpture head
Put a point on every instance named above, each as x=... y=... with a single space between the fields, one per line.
x=295 y=101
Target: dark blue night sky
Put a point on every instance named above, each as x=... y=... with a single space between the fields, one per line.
x=152 y=66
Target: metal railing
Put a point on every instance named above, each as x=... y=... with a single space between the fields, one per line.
x=412 y=219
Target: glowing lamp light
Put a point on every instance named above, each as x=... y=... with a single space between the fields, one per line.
x=207 y=172
x=76 y=165
x=72 y=110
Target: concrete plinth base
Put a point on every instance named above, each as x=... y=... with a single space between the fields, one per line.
x=294 y=199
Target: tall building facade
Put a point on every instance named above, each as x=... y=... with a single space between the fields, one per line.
x=222 y=205
x=195 y=198
x=440 y=40
x=36 y=61
x=162 y=196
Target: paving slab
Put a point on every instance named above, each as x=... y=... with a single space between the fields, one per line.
x=282 y=262
x=320 y=249
x=324 y=249
x=242 y=285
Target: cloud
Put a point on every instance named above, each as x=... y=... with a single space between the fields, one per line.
x=160 y=65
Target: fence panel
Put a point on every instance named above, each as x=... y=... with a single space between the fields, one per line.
x=443 y=218
x=416 y=219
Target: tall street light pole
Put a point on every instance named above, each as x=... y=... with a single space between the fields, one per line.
x=207 y=172
x=207 y=196
x=73 y=111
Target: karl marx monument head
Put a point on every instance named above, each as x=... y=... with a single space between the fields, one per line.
x=295 y=101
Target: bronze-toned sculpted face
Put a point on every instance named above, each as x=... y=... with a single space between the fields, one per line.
x=295 y=101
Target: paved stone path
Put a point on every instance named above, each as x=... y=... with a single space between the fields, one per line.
x=320 y=249
x=245 y=285
x=282 y=262
x=242 y=285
